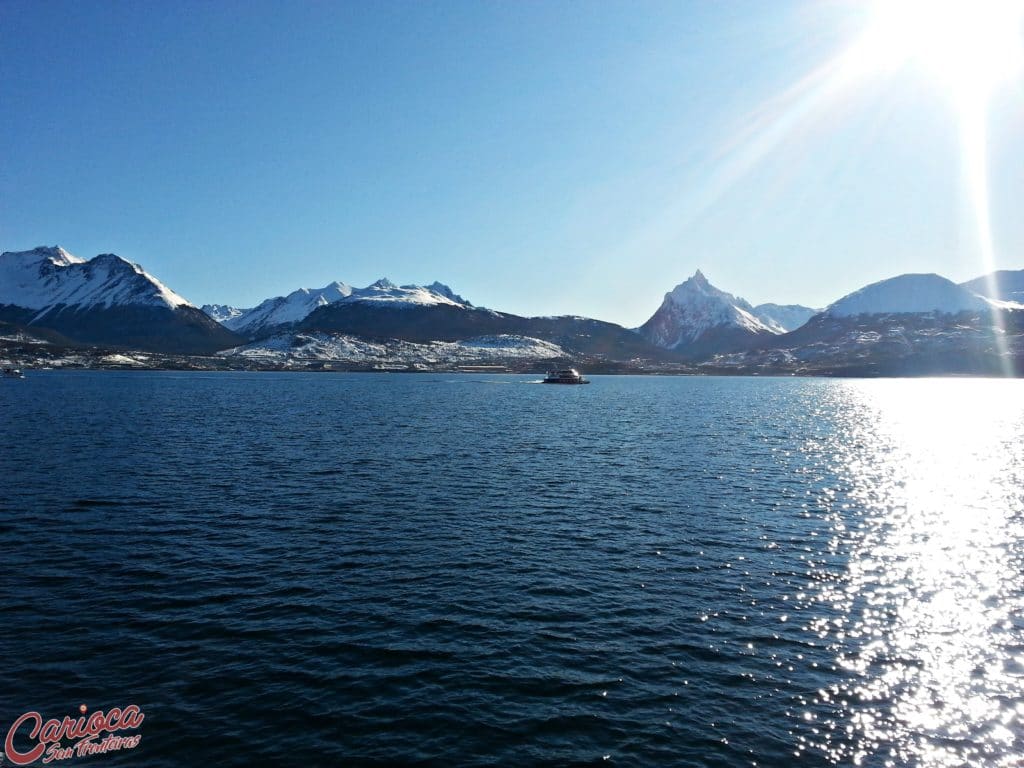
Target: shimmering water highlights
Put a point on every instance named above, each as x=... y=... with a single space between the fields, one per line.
x=361 y=569
x=930 y=631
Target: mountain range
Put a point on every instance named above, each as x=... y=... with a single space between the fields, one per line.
x=105 y=300
x=906 y=324
x=918 y=324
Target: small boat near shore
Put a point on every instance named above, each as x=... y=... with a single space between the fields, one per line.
x=11 y=373
x=566 y=376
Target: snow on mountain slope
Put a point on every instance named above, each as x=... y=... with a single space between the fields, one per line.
x=385 y=292
x=336 y=347
x=282 y=310
x=909 y=294
x=443 y=290
x=104 y=301
x=47 y=278
x=221 y=312
x=694 y=308
x=782 y=318
x=279 y=311
x=1002 y=285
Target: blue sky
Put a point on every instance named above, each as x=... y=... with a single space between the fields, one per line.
x=540 y=157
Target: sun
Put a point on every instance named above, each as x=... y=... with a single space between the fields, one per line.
x=967 y=46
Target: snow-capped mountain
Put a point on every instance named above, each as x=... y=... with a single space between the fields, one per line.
x=221 y=312
x=386 y=293
x=282 y=312
x=909 y=294
x=444 y=290
x=906 y=325
x=696 y=317
x=1002 y=285
x=105 y=300
x=907 y=344
x=783 y=318
x=47 y=279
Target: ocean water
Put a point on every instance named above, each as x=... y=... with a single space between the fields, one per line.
x=303 y=569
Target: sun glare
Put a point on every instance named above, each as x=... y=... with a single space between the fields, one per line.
x=967 y=46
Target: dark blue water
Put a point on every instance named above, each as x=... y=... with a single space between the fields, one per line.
x=292 y=569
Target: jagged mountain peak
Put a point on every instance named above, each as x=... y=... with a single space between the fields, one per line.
x=279 y=310
x=44 y=278
x=447 y=292
x=221 y=312
x=330 y=292
x=271 y=314
x=698 y=284
x=385 y=292
x=695 y=310
x=103 y=300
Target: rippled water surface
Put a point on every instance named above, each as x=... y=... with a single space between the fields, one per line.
x=291 y=569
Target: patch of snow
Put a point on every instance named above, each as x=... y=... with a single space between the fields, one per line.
x=353 y=349
x=122 y=360
x=23 y=338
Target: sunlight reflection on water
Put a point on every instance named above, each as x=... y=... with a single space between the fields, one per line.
x=930 y=626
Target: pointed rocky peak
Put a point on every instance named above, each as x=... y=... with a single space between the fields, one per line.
x=695 y=308
x=334 y=291
x=443 y=290
x=338 y=286
x=285 y=310
x=221 y=312
x=698 y=288
x=383 y=284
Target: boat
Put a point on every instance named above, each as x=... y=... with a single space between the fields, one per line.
x=566 y=376
x=12 y=373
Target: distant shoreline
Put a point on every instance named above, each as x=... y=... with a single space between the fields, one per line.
x=30 y=369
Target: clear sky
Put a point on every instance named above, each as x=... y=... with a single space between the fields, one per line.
x=539 y=157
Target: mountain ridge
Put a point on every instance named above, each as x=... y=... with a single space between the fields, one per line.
x=907 y=323
x=103 y=300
